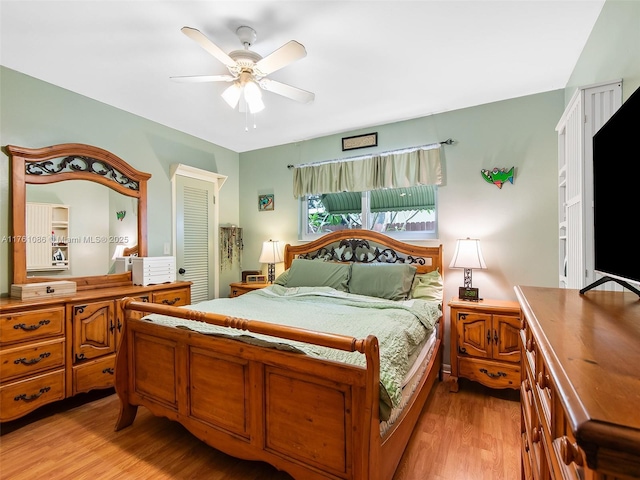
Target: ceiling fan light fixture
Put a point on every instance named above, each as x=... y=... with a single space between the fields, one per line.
x=231 y=95
x=256 y=106
x=253 y=96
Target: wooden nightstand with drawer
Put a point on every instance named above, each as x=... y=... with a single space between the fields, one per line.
x=485 y=342
x=240 y=288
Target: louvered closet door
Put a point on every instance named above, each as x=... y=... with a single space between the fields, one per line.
x=195 y=220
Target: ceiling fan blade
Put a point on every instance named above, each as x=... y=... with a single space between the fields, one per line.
x=204 y=78
x=286 y=54
x=208 y=45
x=288 y=91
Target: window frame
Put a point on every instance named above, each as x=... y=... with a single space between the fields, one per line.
x=303 y=216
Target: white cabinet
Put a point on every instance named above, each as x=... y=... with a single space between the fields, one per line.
x=589 y=108
x=47 y=241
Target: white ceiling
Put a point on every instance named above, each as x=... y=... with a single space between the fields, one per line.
x=368 y=62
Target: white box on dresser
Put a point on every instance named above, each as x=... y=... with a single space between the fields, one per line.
x=153 y=270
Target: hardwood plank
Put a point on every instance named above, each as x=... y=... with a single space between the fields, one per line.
x=473 y=433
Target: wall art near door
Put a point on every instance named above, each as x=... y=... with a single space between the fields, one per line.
x=265 y=202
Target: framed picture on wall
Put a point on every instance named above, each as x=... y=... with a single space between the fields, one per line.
x=265 y=202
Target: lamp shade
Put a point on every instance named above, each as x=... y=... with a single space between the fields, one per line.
x=468 y=254
x=271 y=252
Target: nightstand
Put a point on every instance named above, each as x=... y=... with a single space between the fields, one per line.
x=485 y=342
x=240 y=288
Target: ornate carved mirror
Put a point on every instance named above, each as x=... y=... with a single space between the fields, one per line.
x=63 y=230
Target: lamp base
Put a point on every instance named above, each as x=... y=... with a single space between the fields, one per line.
x=271 y=272
x=469 y=293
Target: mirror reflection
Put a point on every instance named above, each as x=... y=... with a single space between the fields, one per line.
x=76 y=226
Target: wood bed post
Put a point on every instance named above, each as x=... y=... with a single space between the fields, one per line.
x=371 y=458
x=127 y=411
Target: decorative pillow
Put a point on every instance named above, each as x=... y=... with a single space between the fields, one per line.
x=427 y=286
x=312 y=273
x=383 y=280
x=282 y=278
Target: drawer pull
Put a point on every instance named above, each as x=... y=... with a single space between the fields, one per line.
x=24 y=361
x=119 y=325
x=30 y=328
x=536 y=435
x=492 y=375
x=527 y=385
x=569 y=452
x=543 y=380
x=171 y=302
x=495 y=336
x=27 y=398
x=108 y=370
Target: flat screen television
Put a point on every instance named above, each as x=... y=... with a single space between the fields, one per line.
x=616 y=197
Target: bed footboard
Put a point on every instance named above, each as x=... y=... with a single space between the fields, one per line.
x=314 y=419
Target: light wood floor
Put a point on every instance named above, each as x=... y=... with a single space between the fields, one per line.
x=472 y=434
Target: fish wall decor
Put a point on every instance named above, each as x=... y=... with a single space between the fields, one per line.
x=120 y=215
x=498 y=176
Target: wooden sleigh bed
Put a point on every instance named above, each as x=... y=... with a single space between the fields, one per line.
x=311 y=417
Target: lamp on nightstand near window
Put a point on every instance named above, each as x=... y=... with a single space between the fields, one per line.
x=271 y=254
x=468 y=256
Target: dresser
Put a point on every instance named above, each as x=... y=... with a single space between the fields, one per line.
x=55 y=348
x=485 y=343
x=580 y=390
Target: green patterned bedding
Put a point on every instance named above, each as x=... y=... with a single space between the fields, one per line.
x=400 y=326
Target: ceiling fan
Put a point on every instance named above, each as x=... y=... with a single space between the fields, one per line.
x=248 y=70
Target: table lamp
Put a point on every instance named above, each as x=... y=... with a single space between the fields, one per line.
x=271 y=254
x=468 y=256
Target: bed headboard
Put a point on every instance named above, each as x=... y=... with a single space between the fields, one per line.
x=366 y=246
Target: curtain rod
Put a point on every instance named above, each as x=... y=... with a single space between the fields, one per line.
x=448 y=141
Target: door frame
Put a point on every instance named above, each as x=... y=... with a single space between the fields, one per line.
x=217 y=181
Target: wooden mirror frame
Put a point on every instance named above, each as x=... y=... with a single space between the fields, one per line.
x=76 y=162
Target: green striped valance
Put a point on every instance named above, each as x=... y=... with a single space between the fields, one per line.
x=384 y=200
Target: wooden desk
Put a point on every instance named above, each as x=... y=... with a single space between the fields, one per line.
x=580 y=390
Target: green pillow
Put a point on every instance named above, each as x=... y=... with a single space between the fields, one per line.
x=391 y=281
x=427 y=286
x=312 y=273
x=282 y=278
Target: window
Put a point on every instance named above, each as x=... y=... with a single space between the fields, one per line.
x=409 y=212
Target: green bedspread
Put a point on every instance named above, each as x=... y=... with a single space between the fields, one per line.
x=400 y=326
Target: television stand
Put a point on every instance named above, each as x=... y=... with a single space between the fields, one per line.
x=610 y=279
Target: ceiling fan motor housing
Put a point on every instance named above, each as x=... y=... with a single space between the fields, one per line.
x=247 y=35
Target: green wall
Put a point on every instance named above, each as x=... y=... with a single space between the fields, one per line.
x=37 y=114
x=517 y=224
x=612 y=51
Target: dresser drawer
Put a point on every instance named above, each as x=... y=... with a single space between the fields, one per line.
x=24 y=360
x=30 y=325
x=19 y=398
x=491 y=374
x=94 y=375
x=175 y=298
x=527 y=461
